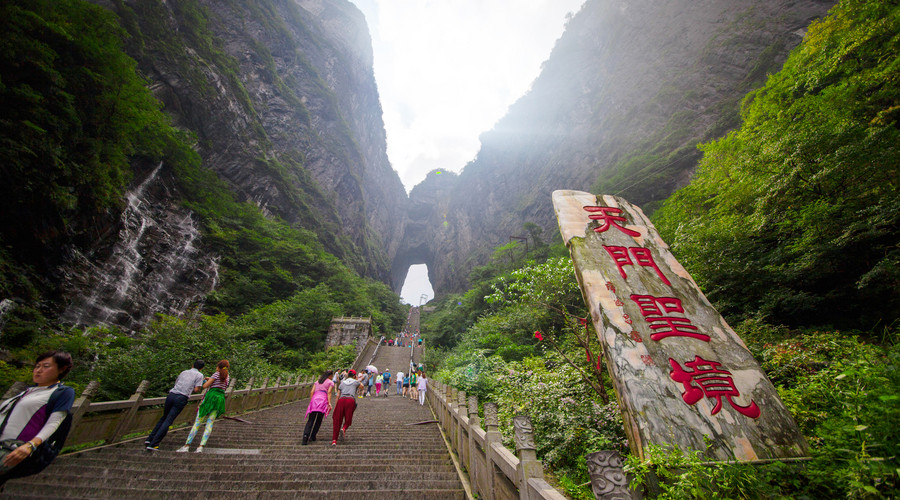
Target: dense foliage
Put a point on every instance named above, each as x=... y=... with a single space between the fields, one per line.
x=843 y=391
x=484 y=342
x=77 y=119
x=74 y=113
x=795 y=217
x=792 y=219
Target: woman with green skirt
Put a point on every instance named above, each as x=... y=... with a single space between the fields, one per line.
x=212 y=406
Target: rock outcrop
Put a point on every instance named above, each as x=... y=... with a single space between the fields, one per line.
x=155 y=265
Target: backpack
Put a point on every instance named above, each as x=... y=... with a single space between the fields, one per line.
x=387 y=377
x=413 y=379
x=47 y=451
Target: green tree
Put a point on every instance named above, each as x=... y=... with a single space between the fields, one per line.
x=794 y=217
x=74 y=113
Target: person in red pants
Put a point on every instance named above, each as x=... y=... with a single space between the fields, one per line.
x=346 y=405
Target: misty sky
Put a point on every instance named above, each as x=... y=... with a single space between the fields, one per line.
x=447 y=70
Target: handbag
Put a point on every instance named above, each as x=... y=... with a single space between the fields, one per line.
x=8 y=445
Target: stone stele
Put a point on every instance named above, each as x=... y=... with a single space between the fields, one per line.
x=681 y=374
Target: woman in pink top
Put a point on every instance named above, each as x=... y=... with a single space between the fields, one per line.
x=319 y=405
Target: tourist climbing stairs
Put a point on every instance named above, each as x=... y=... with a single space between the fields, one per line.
x=385 y=455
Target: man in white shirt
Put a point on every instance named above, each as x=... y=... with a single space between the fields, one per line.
x=400 y=376
x=187 y=382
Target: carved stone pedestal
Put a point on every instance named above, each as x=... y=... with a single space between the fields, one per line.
x=608 y=479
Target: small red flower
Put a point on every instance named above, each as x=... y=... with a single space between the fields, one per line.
x=538 y=335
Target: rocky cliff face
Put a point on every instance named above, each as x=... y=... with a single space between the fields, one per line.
x=282 y=100
x=155 y=264
x=628 y=92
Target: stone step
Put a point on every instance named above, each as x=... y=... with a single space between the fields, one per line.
x=353 y=441
x=325 y=468
x=189 y=459
x=81 y=492
x=203 y=482
x=315 y=450
x=226 y=475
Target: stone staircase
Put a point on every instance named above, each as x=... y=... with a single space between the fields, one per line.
x=382 y=458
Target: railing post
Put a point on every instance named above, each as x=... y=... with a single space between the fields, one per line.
x=474 y=422
x=444 y=403
x=246 y=397
x=287 y=391
x=80 y=406
x=491 y=436
x=128 y=415
x=445 y=407
x=462 y=437
x=436 y=403
x=274 y=392
x=297 y=389
x=262 y=393
x=229 y=391
x=608 y=479
x=529 y=465
x=451 y=409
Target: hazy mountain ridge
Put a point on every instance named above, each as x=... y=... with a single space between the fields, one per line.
x=627 y=93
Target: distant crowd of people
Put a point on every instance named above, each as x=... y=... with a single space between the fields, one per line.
x=403 y=340
x=348 y=386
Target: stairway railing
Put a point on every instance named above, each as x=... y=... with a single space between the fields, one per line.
x=366 y=355
x=494 y=471
x=108 y=422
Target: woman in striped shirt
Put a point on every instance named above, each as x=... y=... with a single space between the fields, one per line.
x=212 y=406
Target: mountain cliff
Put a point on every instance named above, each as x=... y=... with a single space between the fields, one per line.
x=283 y=102
x=628 y=92
x=279 y=101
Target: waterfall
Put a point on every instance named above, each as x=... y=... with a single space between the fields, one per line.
x=155 y=266
x=6 y=306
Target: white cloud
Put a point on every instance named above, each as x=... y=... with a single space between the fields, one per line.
x=417 y=289
x=447 y=70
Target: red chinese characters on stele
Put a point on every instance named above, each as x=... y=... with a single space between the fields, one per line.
x=609 y=218
x=642 y=257
x=707 y=379
x=667 y=318
x=663 y=326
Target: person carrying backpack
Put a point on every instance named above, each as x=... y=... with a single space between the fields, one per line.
x=413 y=382
x=386 y=381
x=406 y=385
x=37 y=420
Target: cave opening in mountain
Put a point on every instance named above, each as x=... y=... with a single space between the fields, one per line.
x=416 y=287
